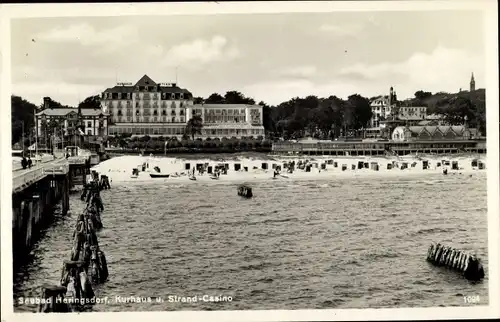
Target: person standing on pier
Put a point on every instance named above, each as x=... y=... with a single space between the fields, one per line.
x=24 y=162
x=30 y=163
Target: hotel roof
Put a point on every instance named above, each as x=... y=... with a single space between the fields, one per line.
x=146 y=81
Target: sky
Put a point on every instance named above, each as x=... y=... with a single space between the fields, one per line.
x=269 y=57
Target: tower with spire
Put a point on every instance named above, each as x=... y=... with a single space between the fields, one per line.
x=472 y=83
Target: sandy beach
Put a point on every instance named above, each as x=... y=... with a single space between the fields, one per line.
x=119 y=169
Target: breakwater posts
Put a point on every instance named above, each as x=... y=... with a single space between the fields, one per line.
x=87 y=265
x=468 y=264
x=33 y=209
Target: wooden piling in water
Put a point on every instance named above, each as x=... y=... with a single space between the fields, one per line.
x=468 y=264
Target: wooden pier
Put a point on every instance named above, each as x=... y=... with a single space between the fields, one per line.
x=35 y=193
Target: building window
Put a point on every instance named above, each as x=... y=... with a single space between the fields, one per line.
x=181 y=112
x=146 y=119
x=136 y=113
x=182 y=119
x=172 y=96
x=173 y=119
x=164 y=112
x=89 y=123
x=89 y=132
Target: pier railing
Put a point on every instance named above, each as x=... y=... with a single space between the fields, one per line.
x=25 y=177
x=38 y=172
x=57 y=168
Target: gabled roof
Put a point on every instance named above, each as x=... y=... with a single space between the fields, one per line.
x=432 y=130
x=145 y=81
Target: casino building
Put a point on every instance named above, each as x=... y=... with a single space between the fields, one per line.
x=149 y=108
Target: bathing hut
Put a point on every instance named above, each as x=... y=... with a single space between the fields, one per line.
x=413 y=164
x=344 y=167
x=438 y=164
x=454 y=165
x=209 y=169
x=425 y=164
x=329 y=162
x=366 y=165
x=374 y=166
x=274 y=166
x=404 y=165
x=353 y=166
x=480 y=165
x=474 y=163
x=323 y=166
x=264 y=166
x=360 y=165
x=187 y=166
x=237 y=167
x=245 y=168
x=308 y=168
x=389 y=166
x=445 y=162
x=245 y=191
x=335 y=164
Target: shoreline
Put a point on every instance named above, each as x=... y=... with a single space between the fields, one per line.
x=119 y=169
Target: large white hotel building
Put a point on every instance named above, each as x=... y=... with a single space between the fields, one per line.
x=150 y=108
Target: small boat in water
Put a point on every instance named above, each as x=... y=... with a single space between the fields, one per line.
x=159 y=175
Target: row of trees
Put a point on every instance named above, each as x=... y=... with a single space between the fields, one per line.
x=161 y=143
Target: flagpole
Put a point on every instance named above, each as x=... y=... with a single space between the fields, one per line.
x=23 y=136
x=36 y=139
